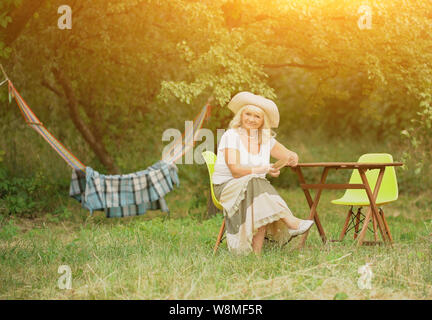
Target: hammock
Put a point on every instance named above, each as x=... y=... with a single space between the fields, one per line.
x=188 y=138
x=31 y=119
x=178 y=149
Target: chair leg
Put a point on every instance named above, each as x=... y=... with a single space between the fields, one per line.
x=387 y=229
x=357 y=223
x=347 y=220
x=221 y=232
x=374 y=222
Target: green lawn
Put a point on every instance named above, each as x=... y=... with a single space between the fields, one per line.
x=150 y=257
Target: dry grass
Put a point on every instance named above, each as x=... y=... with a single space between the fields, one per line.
x=152 y=258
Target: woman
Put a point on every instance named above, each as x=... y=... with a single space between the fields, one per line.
x=252 y=207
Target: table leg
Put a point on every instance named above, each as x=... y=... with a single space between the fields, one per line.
x=374 y=220
x=378 y=217
x=386 y=226
x=373 y=210
x=364 y=228
x=313 y=205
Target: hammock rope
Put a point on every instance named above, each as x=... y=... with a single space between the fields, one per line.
x=188 y=138
x=180 y=147
x=31 y=119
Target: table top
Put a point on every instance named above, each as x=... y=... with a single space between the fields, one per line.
x=350 y=165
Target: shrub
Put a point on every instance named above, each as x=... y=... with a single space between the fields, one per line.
x=22 y=195
x=418 y=150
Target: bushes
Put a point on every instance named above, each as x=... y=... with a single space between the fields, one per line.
x=418 y=148
x=23 y=195
x=8 y=229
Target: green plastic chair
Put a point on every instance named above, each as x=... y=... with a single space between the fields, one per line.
x=388 y=191
x=210 y=160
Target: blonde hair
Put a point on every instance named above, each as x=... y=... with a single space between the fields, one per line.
x=263 y=135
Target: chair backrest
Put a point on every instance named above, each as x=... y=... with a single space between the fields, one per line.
x=389 y=188
x=210 y=160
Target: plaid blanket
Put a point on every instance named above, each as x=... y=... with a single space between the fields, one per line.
x=124 y=195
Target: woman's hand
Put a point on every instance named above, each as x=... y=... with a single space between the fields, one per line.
x=280 y=152
x=274 y=172
x=292 y=160
x=262 y=169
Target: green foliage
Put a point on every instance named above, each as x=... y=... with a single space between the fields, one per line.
x=8 y=228
x=418 y=138
x=4 y=51
x=340 y=296
x=6 y=7
x=193 y=49
x=22 y=196
x=153 y=258
x=61 y=213
x=138 y=67
x=190 y=50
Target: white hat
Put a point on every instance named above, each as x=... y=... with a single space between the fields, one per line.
x=246 y=98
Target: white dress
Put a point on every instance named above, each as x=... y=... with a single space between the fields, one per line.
x=248 y=202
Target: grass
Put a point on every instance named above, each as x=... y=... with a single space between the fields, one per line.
x=150 y=257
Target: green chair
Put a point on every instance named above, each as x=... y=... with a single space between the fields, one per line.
x=210 y=160
x=388 y=192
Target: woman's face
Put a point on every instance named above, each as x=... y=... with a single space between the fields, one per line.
x=252 y=118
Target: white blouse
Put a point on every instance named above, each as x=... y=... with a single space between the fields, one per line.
x=231 y=139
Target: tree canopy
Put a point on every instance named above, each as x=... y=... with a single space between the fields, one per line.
x=127 y=57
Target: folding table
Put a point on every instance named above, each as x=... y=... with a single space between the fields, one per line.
x=372 y=195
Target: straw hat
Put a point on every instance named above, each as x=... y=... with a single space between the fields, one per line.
x=246 y=98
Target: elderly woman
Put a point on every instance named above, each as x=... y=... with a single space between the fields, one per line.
x=252 y=207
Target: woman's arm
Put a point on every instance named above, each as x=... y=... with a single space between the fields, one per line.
x=289 y=157
x=232 y=157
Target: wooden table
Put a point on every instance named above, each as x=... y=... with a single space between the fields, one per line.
x=372 y=195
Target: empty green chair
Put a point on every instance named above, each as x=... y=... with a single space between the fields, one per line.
x=210 y=159
x=388 y=191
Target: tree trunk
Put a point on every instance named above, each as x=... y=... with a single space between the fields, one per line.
x=20 y=16
x=82 y=127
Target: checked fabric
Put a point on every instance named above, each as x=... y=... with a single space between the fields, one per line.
x=125 y=195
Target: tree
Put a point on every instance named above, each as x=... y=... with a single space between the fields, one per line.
x=19 y=17
x=124 y=57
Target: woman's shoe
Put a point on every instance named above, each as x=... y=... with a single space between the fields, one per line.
x=304 y=226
